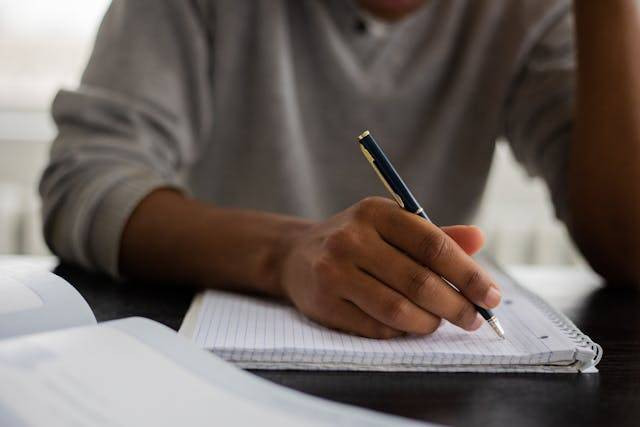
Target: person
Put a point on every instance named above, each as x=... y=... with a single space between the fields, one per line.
x=212 y=143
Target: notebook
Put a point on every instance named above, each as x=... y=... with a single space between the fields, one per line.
x=257 y=333
x=58 y=367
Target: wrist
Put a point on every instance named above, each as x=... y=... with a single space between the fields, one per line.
x=242 y=249
x=284 y=245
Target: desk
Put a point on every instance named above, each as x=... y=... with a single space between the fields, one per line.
x=610 y=316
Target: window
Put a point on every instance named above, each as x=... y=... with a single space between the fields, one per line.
x=44 y=45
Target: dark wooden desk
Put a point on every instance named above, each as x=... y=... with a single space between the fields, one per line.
x=612 y=397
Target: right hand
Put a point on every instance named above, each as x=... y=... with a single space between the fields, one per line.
x=376 y=270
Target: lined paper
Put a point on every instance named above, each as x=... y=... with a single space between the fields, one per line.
x=255 y=332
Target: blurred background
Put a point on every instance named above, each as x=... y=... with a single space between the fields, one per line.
x=45 y=44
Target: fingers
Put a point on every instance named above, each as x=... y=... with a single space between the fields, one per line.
x=383 y=271
x=388 y=306
x=420 y=285
x=347 y=317
x=469 y=237
x=430 y=246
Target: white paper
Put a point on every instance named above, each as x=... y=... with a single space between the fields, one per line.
x=100 y=376
x=260 y=333
x=137 y=372
x=35 y=300
x=15 y=296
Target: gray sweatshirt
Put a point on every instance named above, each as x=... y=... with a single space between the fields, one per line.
x=257 y=104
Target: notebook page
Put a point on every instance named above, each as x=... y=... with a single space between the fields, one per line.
x=241 y=328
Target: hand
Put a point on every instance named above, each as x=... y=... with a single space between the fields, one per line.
x=376 y=270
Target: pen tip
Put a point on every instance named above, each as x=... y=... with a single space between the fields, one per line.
x=497 y=327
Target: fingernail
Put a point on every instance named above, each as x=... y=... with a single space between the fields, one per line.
x=476 y=323
x=493 y=298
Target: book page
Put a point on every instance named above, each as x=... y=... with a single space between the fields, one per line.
x=102 y=376
x=249 y=329
x=16 y=296
x=35 y=300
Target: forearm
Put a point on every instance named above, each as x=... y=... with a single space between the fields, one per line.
x=604 y=166
x=171 y=238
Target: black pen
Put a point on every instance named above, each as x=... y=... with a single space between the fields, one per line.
x=403 y=196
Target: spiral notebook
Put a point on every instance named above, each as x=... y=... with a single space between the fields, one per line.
x=255 y=333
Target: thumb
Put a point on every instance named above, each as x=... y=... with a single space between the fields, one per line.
x=469 y=237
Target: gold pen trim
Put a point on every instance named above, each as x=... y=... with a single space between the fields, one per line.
x=363 y=134
x=371 y=161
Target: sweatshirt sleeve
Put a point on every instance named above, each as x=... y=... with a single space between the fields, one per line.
x=539 y=109
x=132 y=126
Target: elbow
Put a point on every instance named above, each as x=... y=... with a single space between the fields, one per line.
x=612 y=253
x=619 y=265
x=625 y=276
x=625 y=272
x=55 y=225
x=61 y=213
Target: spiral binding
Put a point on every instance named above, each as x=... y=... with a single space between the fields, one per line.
x=561 y=321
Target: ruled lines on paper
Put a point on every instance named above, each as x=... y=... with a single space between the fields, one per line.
x=249 y=329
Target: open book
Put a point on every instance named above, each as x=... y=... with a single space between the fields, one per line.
x=59 y=368
x=263 y=334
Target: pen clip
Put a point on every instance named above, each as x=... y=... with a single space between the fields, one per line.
x=372 y=161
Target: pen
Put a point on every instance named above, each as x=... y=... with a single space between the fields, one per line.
x=403 y=196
